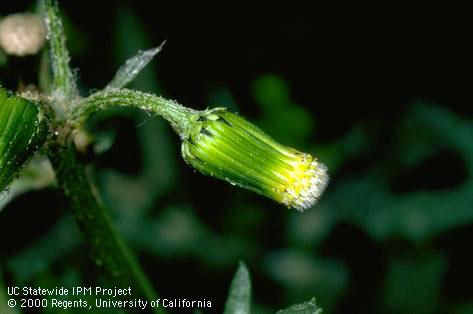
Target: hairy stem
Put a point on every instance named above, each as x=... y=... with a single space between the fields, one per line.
x=107 y=248
x=64 y=86
x=179 y=116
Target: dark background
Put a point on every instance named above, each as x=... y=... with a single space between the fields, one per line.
x=381 y=95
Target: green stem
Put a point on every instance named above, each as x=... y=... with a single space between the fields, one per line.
x=179 y=116
x=107 y=248
x=64 y=86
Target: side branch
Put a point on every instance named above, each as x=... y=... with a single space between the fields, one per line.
x=179 y=116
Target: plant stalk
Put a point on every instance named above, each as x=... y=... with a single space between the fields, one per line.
x=179 y=116
x=107 y=248
x=64 y=86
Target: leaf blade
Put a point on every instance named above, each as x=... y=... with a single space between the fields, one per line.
x=239 y=296
x=133 y=66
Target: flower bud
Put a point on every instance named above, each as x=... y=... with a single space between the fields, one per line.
x=22 y=34
x=224 y=145
x=22 y=132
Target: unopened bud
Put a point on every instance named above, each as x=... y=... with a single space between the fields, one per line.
x=224 y=145
x=22 y=34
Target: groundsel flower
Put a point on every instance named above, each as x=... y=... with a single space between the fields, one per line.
x=22 y=132
x=224 y=145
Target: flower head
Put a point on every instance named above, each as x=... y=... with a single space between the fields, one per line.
x=224 y=145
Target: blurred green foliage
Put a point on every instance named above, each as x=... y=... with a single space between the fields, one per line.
x=379 y=240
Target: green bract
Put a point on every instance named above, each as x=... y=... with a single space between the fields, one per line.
x=226 y=146
x=22 y=132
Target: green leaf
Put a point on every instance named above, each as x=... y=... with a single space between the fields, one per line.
x=420 y=213
x=425 y=272
x=309 y=307
x=133 y=67
x=272 y=93
x=22 y=133
x=64 y=86
x=239 y=297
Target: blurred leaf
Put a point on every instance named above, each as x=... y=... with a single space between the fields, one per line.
x=309 y=307
x=310 y=229
x=353 y=144
x=40 y=255
x=369 y=200
x=413 y=284
x=133 y=66
x=427 y=128
x=271 y=92
x=239 y=296
x=176 y=231
x=302 y=275
x=132 y=197
x=36 y=175
x=281 y=117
